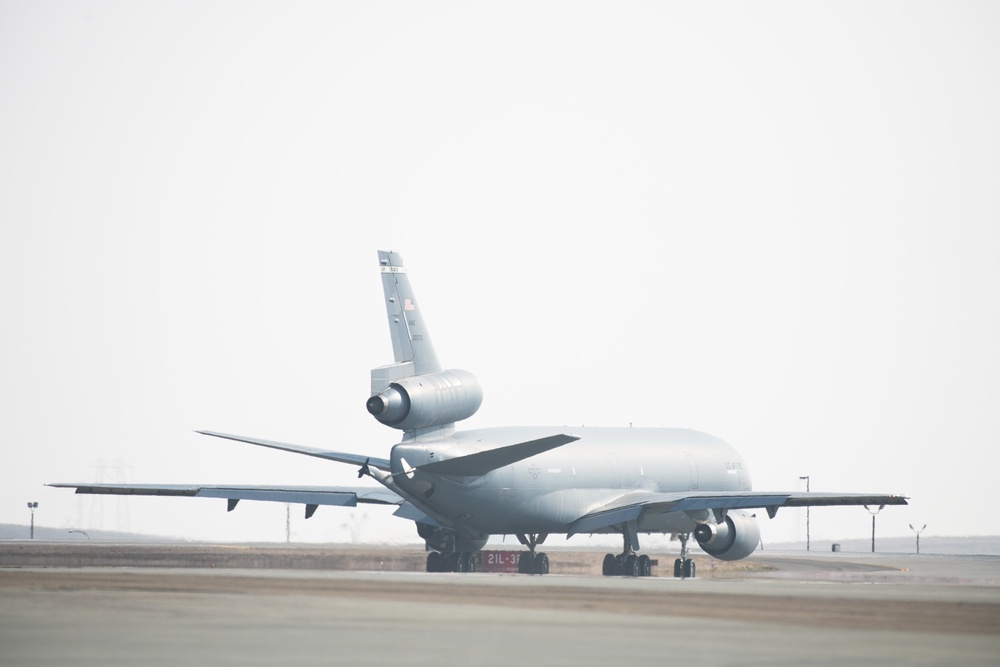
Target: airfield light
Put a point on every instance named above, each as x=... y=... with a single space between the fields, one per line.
x=32 y=507
x=873 y=513
x=806 y=477
x=918 y=534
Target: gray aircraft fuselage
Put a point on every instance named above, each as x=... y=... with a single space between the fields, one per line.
x=545 y=493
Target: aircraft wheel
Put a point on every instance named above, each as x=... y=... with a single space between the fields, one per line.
x=541 y=564
x=451 y=562
x=467 y=563
x=631 y=567
x=435 y=562
x=610 y=564
x=645 y=569
x=678 y=568
x=525 y=563
x=689 y=568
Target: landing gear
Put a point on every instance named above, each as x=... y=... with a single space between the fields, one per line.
x=453 y=562
x=684 y=567
x=435 y=562
x=530 y=562
x=628 y=563
x=465 y=562
x=631 y=565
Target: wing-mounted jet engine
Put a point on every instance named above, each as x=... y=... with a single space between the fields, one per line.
x=733 y=538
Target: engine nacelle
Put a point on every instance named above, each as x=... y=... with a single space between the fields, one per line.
x=423 y=401
x=734 y=538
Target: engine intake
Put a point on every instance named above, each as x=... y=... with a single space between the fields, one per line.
x=735 y=538
x=423 y=401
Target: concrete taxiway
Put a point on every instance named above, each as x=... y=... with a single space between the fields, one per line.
x=793 y=609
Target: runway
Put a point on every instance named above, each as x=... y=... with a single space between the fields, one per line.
x=795 y=610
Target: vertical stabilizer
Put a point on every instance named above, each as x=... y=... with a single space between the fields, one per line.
x=411 y=344
x=414 y=395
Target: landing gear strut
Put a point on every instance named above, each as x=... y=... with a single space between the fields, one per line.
x=684 y=566
x=530 y=562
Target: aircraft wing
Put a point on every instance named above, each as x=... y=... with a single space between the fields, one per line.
x=310 y=496
x=631 y=506
x=342 y=457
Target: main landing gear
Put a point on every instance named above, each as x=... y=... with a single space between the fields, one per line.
x=628 y=563
x=530 y=562
x=453 y=562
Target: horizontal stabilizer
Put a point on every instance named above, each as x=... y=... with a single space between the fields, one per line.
x=481 y=463
x=342 y=457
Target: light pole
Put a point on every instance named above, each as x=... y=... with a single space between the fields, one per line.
x=806 y=477
x=918 y=534
x=32 y=507
x=873 y=513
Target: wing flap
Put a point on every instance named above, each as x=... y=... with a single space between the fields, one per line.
x=823 y=499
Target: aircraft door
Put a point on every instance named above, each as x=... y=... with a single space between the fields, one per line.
x=614 y=469
x=692 y=471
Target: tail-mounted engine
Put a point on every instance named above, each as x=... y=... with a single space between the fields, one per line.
x=732 y=539
x=424 y=401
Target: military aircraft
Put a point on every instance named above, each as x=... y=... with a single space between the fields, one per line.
x=461 y=487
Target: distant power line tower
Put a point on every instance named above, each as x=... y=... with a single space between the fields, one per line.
x=113 y=472
x=918 y=531
x=357 y=523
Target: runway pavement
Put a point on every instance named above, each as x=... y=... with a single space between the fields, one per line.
x=793 y=610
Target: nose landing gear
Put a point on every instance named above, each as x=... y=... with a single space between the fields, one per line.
x=684 y=566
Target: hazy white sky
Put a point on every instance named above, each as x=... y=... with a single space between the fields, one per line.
x=775 y=222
